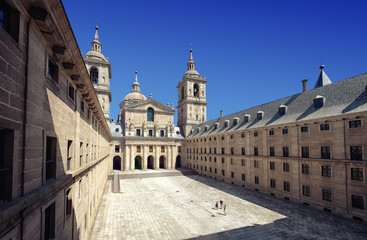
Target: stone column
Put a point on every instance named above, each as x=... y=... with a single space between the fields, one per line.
x=157 y=153
x=144 y=160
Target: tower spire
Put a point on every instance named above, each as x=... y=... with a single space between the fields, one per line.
x=323 y=78
x=96 y=45
x=136 y=85
x=191 y=63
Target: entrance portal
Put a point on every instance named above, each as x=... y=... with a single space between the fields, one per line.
x=150 y=162
x=161 y=162
x=138 y=162
x=178 y=161
x=116 y=163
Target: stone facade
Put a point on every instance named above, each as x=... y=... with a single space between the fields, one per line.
x=55 y=142
x=311 y=154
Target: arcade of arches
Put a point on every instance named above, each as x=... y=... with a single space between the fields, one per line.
x=150 y=163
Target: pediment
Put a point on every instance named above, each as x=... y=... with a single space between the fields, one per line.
x=157 y=106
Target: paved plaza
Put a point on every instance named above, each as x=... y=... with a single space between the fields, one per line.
x=168 y=205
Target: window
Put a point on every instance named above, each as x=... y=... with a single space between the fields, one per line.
x=82 y=106
x=318 y=102
x=215 y=170
x=243 y=177
x=256 y=164
x=162 y=133
x=256 y=180
x=51 y=144
x=196 y=90
x=272 y=165
x=304 y=129
x=260 y=115
x=243 y=162
x=53 y=72
x=256 y=151
x=222 y=160
x=182 y=93
x=232 y=174
x=222 y=150
x=326 y=195
x=150 y=115
x=138 y=149
x=94 y=75
x=355 y=152
x=358 y=201
x=357 y=174
x=271 y=132
x=150 y=148
x=71 y=92
x=256 y=134
x=179 y=149
x=232 y=136
x=285 y=131
x=49 y=230
x=305 y=169
x=272 y=183
x=69 y=154
x=231 y=161
x=81 y=154
x=285 y=152
x=286 y=167
x=326 y=170
x=355 y=124
x=232 y=151
x=6 y=163
x=306 y=191
x=287 y=186
x=242 y=135
x=69 y=204
x=150 y=132
x=215 y=159
x=243 y=152
x=162 y=149
x=325 y=152
x=117 y=130
x=223 y=173
x=272 y=151
x=9 y=20
x=282 y=110
x=305 y=152
x=324 y=127
x=117 y=148
x=215 y=150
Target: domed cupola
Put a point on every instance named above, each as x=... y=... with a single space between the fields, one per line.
x=135 y=92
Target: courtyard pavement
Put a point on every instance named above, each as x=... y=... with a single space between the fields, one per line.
x=165 y=204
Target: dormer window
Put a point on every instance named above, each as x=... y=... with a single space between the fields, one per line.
x=206 y=127
x=260 y=115
x=216 y=125
x=198 y=129
x=117 y=130
x=282 y=110
x=235 y=121
x=247 y=118
x=191 y=131
x=226 y=122
x=318 y=101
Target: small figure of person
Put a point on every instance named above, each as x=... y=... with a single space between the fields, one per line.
x=216 y=205
x=224 y=210
x=221 y=204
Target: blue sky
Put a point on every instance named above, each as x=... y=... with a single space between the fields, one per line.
x=251 y=52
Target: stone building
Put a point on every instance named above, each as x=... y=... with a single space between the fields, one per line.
x=58 y=142
x=308 y=148
x=54 y=138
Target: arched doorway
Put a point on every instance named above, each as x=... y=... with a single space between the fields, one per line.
x=138 y=162
x=150 y=162
x=178 y=161
x=161 y=162
x=116 y=163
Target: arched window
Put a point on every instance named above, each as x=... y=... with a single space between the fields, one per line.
x=182 y=93
x=196 y=90
x=94 y=75
x=150 y=115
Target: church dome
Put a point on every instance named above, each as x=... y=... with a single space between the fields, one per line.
x=191 y=66
x=135 y=96
x=192 y=72
x=95 y=55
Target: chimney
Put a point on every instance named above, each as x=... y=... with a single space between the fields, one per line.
x=221 y=113
x=304 y=85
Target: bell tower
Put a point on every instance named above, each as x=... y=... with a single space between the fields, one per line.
x=191 y=98
x=99 y=69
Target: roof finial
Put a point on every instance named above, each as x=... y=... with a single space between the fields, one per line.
x=136 y=76
x=191 y=63
x=96 y=35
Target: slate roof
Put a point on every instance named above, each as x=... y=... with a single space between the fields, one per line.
x=343 y=97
